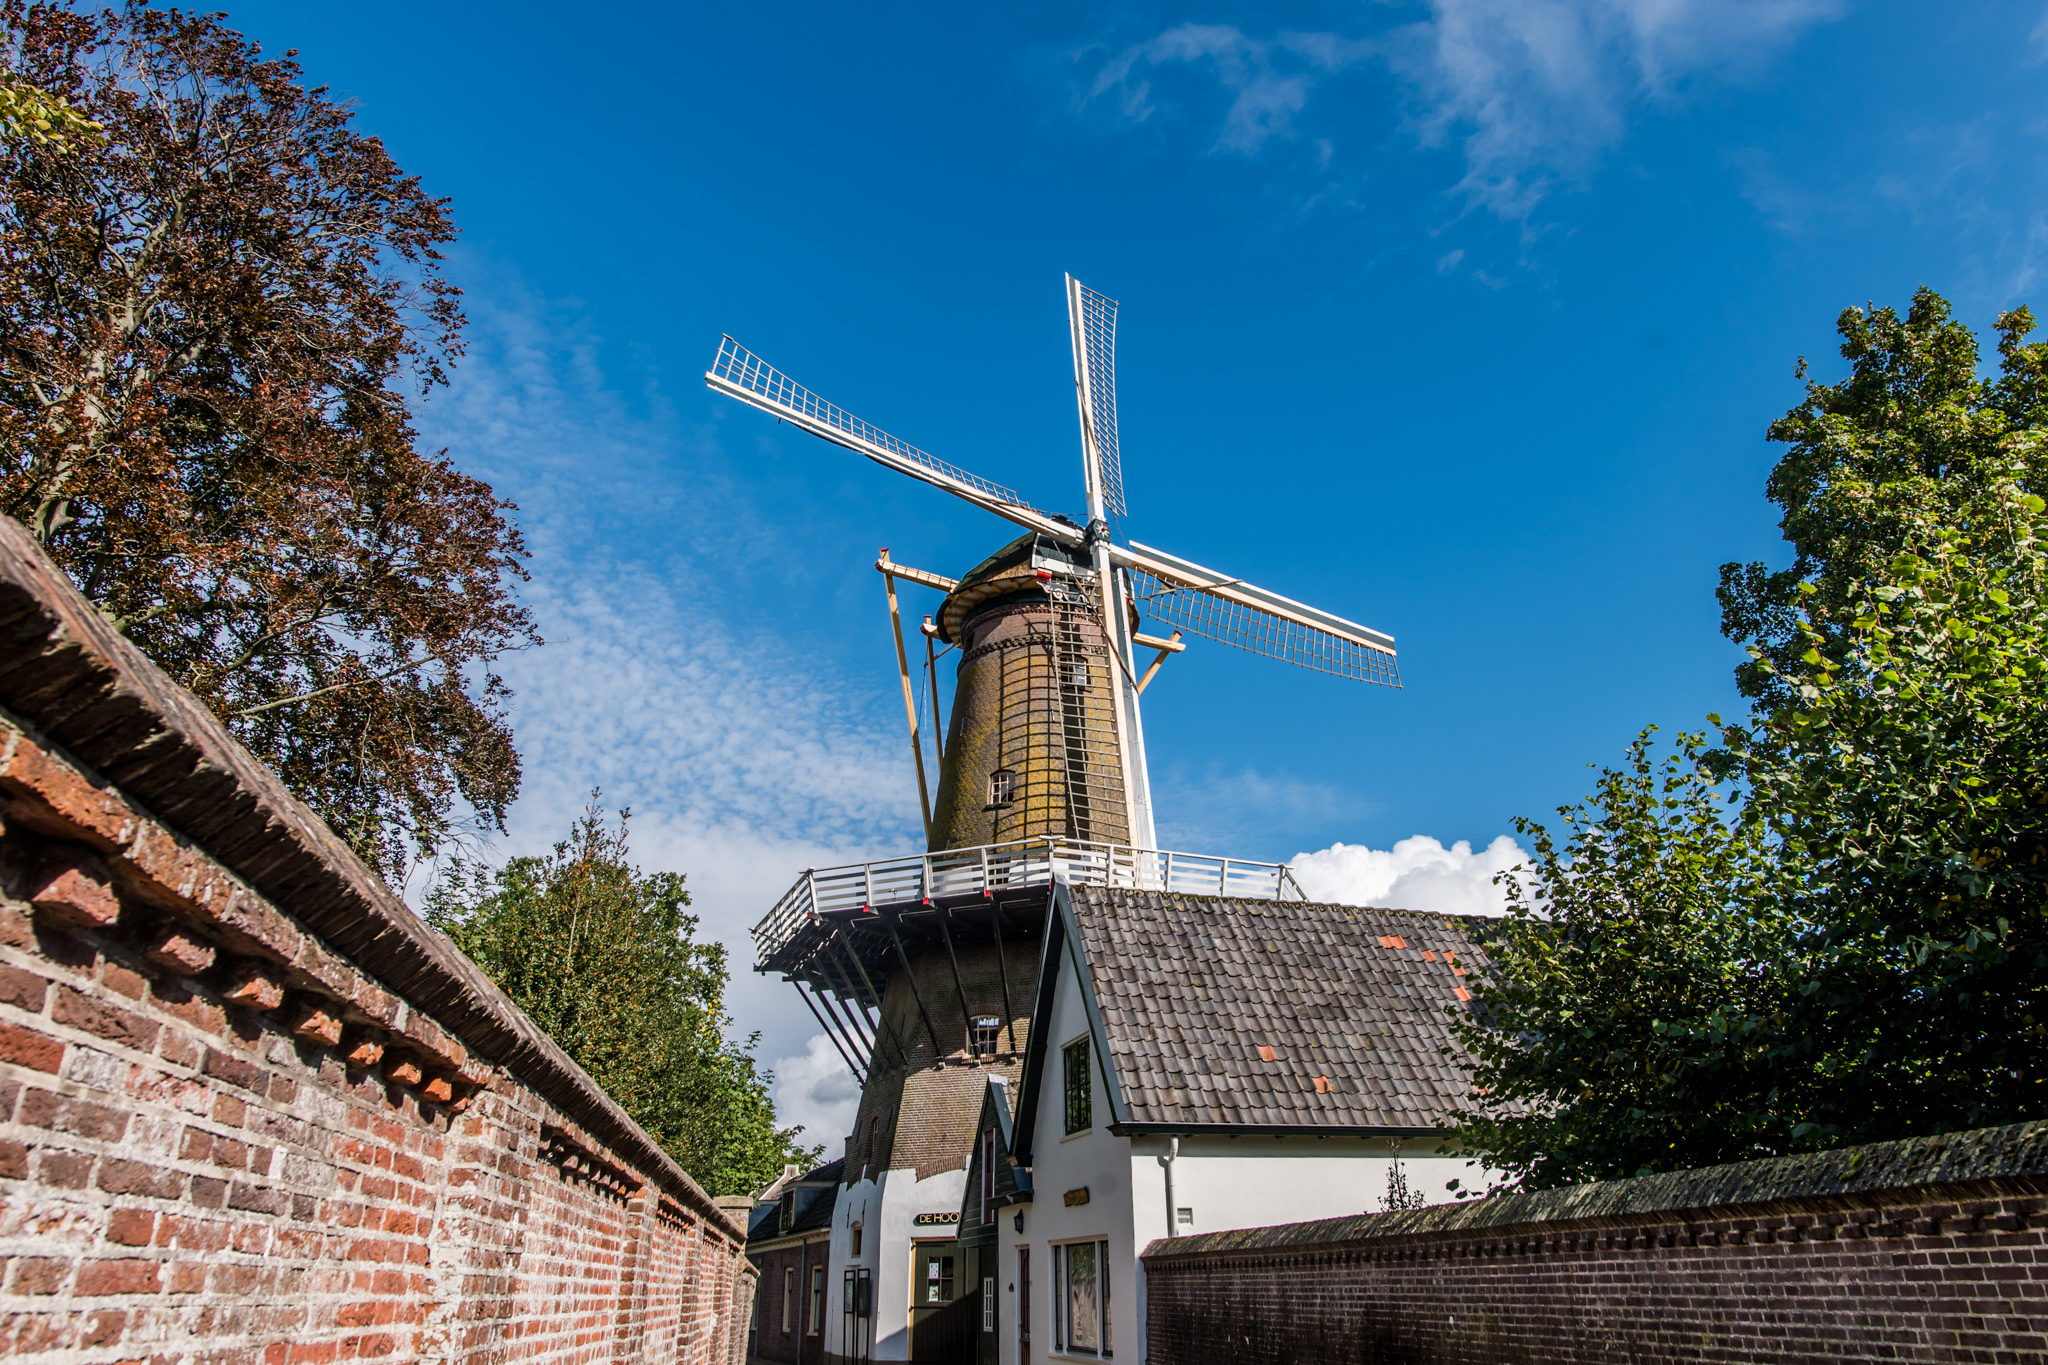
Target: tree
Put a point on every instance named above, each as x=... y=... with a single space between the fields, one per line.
x=1908 y=767
x=602 y=958
x=1898 y=740
x=1630 y=1015
x=215 y=315
x=1861 y=953
x=1906 y=443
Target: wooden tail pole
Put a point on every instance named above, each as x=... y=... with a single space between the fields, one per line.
x=931 y=669
x=924 y=797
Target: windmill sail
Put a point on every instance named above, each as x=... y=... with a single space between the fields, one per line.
x=1203 y=602
x=741 y=374
x=1092 y=317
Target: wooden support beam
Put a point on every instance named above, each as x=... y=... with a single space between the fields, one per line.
x=924 y=796
x=1003 y=966
x=830 y=1032
x=910 y=979
x=1165 y=647
x=931 y=669
x=959 y=987
x=881 y=1014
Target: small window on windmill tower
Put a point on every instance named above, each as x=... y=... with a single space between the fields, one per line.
x=987 y=1032
x=1002 y=787
x=1077 y=674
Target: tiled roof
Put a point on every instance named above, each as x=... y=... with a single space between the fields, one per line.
x=816 y=1193
x=1274 y=1014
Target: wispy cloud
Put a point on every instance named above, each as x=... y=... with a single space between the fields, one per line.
x=743 y=759
x=815 y=1089
x=1532 y=93
x=1417 y=873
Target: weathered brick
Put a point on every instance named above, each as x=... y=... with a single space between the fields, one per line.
x=108 y=1021
x=178 y=951
x=119 y=1277
x=121 y=1176
x=234 y=1070
x=317 y=1025
x=22 y=989
x=26 y=1047
x=131 y=1227
x=74 y=887
x=81 y=1118
x=252 y=986
x=57 y=800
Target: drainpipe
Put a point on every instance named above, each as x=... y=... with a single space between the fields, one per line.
x=1172 y=1153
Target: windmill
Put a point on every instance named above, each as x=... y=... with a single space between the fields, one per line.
x=1085 y=566
x=916 y=966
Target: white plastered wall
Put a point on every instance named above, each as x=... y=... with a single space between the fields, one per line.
x=885 y=1208
x=1250 y=1182
x=1095 y=1160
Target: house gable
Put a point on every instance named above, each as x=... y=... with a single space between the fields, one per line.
x=1012 y=1182
x=1063 y=946
x=1231 y=1015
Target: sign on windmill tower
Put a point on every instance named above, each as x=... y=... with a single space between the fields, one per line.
x=1041 y=776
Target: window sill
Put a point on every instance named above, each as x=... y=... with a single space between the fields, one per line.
x=1085 y=1132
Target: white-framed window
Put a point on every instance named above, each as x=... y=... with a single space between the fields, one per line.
x=988 y=1304
x=788 y=1299
x=1080 y=1299
x=817 y=1321
x=985 y=1034
x=1002 y=787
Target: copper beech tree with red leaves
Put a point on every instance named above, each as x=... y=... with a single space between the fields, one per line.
x=215 y=316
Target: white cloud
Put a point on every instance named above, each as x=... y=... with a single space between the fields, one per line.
x=662 y=680
x=1418 y=873
x=1532 y=92
x=814 y=1088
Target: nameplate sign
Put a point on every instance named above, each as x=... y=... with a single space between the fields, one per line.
x=1076 y=1198
x=933 y=1220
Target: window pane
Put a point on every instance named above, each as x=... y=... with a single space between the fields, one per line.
x=1078 y=1109
x=1084 y=1304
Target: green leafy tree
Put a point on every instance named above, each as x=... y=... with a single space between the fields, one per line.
x=601 y=957
x=40 y=118
x=1630 y=1017
x=1898 y=740
x=1907 y=443
x=1861 y=953
x=1908 y=767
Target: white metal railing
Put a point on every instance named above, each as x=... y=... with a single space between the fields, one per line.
x=1023 y=863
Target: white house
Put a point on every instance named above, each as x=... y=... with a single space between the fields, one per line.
x=1197 y=1064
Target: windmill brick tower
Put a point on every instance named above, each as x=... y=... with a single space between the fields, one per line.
x=924 y=969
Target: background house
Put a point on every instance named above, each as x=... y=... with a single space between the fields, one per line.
x=787 y=1240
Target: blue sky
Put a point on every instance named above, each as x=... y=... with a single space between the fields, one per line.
x=1463 y=319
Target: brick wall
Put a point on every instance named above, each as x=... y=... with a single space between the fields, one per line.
x=1931 y=1250
x=252 y=1110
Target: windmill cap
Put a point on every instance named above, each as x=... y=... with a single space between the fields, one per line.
x=1026 y=564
